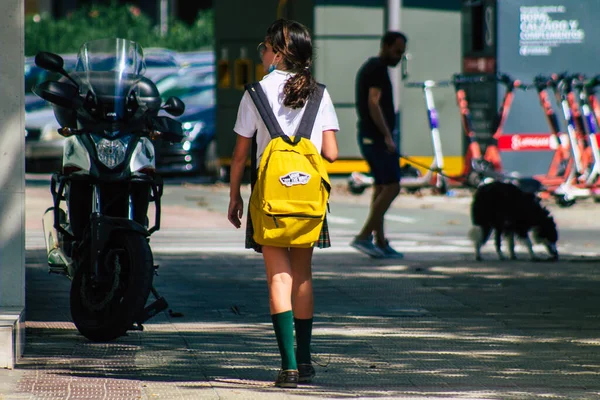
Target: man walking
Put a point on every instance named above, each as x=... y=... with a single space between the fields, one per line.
x=376 y=121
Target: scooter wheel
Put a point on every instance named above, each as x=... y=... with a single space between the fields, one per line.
x=473 y=180
x=564 y=202
x=355 y=189
x=443 y=187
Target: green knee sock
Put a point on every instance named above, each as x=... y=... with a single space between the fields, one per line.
x=284 y=331
x=303 y=335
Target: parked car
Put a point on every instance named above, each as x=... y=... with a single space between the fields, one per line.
x=196 y=154
x=43 y=144
x=176 y=82
x=196 y=58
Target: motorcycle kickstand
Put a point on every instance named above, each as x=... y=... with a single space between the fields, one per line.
x=160 y=304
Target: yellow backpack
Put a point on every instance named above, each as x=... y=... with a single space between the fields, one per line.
x=291 y=193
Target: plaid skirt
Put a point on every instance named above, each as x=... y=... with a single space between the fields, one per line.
x=323 y=242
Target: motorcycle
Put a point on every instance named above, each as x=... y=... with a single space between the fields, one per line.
x=109 y=115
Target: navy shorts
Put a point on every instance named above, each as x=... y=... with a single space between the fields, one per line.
x=385 y=166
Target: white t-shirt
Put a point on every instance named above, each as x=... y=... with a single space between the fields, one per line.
x=249 y=121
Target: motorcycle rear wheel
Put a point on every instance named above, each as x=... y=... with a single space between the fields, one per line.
x=105 y=311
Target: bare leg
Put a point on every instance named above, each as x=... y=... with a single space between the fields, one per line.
x=365 y=232
x=383 y=198
x=279 y=278
x=390 y=192
x=302 y=290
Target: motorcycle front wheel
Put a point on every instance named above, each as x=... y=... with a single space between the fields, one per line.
x=104 y=308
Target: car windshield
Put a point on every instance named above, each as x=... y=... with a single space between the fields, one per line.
x=160 y=62
x=194 y=96
x=181 y=81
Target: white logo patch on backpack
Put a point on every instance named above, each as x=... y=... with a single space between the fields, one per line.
x=294 y=178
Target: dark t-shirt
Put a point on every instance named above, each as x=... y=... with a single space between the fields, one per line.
x=374 y=73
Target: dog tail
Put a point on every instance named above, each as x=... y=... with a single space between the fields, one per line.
x=476 y=234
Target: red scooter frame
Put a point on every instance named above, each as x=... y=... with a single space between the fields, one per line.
x=581 y=178
x=562 y=161
x=476 y=162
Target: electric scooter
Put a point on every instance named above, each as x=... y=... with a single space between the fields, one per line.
x=590 y=87
x=582 y=129
x=562 y=161
x=358 y=182
x=477 y=166
x=586 y=92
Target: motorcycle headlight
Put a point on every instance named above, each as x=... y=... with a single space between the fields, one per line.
x=111 y=152
x=193 y=129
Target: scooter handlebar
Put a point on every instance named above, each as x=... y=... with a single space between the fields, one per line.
x=505 y=79
x=458 y=79
x=541 y=82
x=593 y=82
x=429 y=83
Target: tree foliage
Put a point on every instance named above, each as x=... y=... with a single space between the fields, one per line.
x=66 y=35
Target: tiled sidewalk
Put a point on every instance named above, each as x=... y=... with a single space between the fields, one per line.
x=431 y=326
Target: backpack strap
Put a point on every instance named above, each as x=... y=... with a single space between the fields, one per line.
x=264 y=109
x=310 y=114
x=266 y=113
x=253 y=162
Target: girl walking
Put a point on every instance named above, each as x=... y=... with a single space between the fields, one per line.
x=287 y=55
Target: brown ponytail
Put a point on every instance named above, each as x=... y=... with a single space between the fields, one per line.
x=298 y=89
x=293 y=41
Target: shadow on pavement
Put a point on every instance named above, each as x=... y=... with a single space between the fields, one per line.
x=429 y=325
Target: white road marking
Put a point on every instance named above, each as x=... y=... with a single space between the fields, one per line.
x=213 y=241
x=400 y=218
x=332 y=219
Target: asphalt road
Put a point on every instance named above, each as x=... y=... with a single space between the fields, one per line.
x=413 y=220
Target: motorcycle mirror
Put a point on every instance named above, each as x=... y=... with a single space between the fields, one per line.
x=59 y=93
x=174 y=106
x=49 y=61
x=53 y=63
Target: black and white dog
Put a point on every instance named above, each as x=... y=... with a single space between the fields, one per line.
x=506 y=209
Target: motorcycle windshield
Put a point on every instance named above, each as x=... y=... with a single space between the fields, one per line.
x=109 y=70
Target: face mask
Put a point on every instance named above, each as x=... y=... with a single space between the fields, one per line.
x=271 y=68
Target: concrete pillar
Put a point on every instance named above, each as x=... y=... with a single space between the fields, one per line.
x=12 y=181
x=394 y=10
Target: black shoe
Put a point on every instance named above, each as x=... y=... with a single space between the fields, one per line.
x=306 y=373
x=287 y=378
